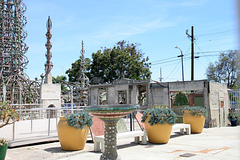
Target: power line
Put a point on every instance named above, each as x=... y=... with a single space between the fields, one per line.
x=202 y=51
x=185 y=58
x=173 y=70
x=165 y=62
x=212 y=51
x=211 y=55
x=163 y=59
x=218 y=32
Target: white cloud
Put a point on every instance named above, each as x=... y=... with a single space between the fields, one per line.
x=131 y=27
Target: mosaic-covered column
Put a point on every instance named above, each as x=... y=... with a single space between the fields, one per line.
x=110 y=114
x=110 y=132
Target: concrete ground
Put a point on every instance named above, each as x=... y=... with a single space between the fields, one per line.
x=212 y=144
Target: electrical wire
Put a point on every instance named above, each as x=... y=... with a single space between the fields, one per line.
x=172 y=70
x=202 y=51
x=217 y=32
x=163 y=59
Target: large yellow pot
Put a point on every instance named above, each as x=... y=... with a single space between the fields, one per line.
x=158 y=133
x=196 y=122
x=71 y=138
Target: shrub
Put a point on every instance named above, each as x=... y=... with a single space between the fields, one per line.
x=180 y=99
x=196 y=111
x=232 y=115
x=79 y=119
x=160 y=115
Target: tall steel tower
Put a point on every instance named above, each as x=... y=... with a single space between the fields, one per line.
x=15 y=85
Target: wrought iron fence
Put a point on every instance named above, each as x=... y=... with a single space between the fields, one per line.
x=234 y=98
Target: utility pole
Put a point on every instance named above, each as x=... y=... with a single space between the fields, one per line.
x=182 y=62
x=192 y=53
x=160 y=79
x=192 y=57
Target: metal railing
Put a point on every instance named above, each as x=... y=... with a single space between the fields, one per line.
x=234 y=98
x=36 y=122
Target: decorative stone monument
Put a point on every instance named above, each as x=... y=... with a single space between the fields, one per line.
x=50 y=93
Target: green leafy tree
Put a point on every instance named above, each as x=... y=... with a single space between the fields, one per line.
x=226 y=69
x=60 y=79
x=124 y=60
x=74 y=72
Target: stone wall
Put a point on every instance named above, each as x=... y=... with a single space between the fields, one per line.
x=215 y=96
x=218 y=104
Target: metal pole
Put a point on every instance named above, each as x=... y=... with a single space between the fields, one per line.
x=71 y=100
x=56 y=117
x=31 y=122
x=130 y=121
x=13 y=136
x=192 y=57
x=182 y=62
x=49 y=122
x=182 y=66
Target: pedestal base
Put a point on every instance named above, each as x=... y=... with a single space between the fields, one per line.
x=110 y=114
x=110 y=152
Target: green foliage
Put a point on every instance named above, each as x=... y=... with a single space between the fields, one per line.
x=74 y=72
x=79 y=119
x=196 y=111
x=180 y=99
x=160 y=115
x=7 y=114
x=226 y=69
x=3 y=142
x=232 y=115
x=122 y=61
x=60 y=79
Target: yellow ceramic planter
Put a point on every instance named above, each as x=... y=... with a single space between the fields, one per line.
x=71 y=138
x=196 y=122
x=158 y=133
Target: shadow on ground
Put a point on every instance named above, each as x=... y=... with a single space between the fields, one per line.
x=56 y=150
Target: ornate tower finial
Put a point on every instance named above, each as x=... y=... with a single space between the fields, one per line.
x=83 y=79
x=83 y=69
x=48 y=64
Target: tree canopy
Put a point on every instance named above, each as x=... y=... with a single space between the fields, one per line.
x=226 y=69
x=60 y=79
x=74 y=72
x=124 y=60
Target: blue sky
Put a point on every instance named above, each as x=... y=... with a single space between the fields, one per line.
x=158 y=25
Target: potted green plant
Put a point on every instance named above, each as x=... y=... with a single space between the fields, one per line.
x=233 y=117
x=195 y=116
x=73 y=130
x=158 y=123
x=7 y=116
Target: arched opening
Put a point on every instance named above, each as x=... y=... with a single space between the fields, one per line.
x=52 y=112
